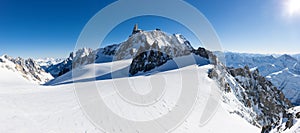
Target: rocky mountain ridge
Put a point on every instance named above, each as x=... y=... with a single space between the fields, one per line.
x=283 y=71
x=29 y=69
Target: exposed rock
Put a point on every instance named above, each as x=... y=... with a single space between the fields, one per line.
x=289 y=122
x=202 y=52
x=298 y=115
x=206 y=54
x=213 y=74
x=271 y=101
x=147 y=61
x=266 y=129
x=256 y=93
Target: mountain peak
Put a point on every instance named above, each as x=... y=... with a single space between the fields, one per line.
x=287 y=57
x=157 y=40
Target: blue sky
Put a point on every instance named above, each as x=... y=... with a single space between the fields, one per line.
x=50 y=28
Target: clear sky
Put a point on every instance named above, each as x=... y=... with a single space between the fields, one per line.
x=50 y=28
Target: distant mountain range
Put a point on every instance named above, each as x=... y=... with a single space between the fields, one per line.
x=46 y=62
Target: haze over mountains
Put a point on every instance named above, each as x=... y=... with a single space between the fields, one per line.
x=248 y=100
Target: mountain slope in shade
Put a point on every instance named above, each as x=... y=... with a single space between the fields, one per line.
x=28 y=69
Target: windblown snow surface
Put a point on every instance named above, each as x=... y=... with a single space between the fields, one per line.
x=27 y=107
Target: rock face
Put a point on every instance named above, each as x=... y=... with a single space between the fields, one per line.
x=29 y=69
x=262 y=95
x=256 y=93
x=206 y=54
x=152 y=49
x=147 y=61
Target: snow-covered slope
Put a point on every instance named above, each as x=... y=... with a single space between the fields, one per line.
x=29 y=108
x=34 y=108
x=104 y=71
x=28 y=69
x=282 y=71
x=222 y=120
x=245 y=95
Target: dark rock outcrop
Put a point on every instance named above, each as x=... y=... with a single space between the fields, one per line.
x=206 y=54
x=147 y=61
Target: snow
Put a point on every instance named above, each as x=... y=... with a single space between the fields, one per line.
x=8 y=77
x=30 y=108
x=26 y=107
x=46 y=62
x=253 y=69
x=276 y=73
